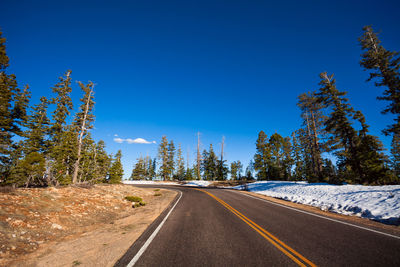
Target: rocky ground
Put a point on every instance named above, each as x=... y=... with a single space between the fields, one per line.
x=32 y=219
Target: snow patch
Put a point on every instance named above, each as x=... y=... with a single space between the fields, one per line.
x=380 y=203
x=198 y=183
x=149 y=182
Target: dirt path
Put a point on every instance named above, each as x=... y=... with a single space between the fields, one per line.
x=94 y=231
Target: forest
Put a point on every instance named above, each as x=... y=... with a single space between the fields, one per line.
x=46 y=145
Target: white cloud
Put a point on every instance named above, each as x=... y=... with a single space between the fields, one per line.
x=134 y=141
x=119 y=140
x=115 y=135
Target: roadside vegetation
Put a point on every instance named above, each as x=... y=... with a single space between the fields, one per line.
x=46 y=144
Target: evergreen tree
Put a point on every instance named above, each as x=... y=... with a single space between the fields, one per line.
x=180 y=165
x=313 y=121
x=171 y=160
x=139 y=170
x=83 y=122
x=116 y=170
x=13 y=104
x=189 y=174
x=209 y=164
x=262 y=157
x=298 y=161
x=287 y=161
x=64 y=157
x=58 y=131
x=249 y=171
x=359 y=154
x=29 y=171
x=395 y=155
x=222 y=170
x=152 y=171
x=163 y=156
x=384 y=66
x=234 y=171
x=37 y=132
x=103 y=162
x=87 y=166
x=275 y=166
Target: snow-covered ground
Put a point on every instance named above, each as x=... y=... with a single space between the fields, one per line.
x=381 y=203
x=198 y=183
x=149 y=182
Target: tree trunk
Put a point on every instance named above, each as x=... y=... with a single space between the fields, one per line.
x=80 y=137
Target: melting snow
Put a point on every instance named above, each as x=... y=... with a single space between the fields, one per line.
x=198 y=183
x=381 y=203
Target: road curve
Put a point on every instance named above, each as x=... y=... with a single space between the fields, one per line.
x=216 y=227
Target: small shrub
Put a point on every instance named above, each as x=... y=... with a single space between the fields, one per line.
x=158 y=189
x=76 y=263
x=134 y=199
x=157 y=194
x=139 y=204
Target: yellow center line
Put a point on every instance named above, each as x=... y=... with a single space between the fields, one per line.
x=267 y=235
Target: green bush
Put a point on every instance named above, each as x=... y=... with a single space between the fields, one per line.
x=158 y=189
x=134 y=199
x=139 y=204
x=157 y=194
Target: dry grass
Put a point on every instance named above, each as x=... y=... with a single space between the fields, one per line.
x=31 y=217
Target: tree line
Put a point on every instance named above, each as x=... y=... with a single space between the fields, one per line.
x=207 y=166
x=39 y=148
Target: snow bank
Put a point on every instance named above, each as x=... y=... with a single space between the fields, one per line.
x=149 y=182
x=198 y=183
x=380 y=203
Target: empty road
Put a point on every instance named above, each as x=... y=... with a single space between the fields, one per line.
x=216 y=227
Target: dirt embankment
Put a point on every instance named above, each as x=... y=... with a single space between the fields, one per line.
x=74 y=226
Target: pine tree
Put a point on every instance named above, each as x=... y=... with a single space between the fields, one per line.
x=83 y=122
x=209 y=164
x=152 y=171
x=313 y=121
x=13 y=105
x=64 y=105
x=262 y=157
x=116 y=170
x=297 y=155
x=249 y=171
x=87 y=165
x=64 y=157
x=58 y=131
x=164 y=158
x=222 y=170
x=384 y=66
x=103 y=162
x=29 y=171
x=38 y=125
x=234 y=171
x=180 y=165
x=359 y=154
x=139 y=170
x=189 y=174
x=171 y=160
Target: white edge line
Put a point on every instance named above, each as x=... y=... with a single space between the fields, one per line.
x=319 y=216
x=153 y=235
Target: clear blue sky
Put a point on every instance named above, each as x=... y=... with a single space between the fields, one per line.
x=223 y=68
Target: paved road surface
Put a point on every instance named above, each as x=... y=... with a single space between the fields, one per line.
x=215 y=227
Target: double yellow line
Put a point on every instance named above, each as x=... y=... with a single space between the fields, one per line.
x=288 y=251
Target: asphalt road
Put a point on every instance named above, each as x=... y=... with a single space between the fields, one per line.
x=216 y=227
